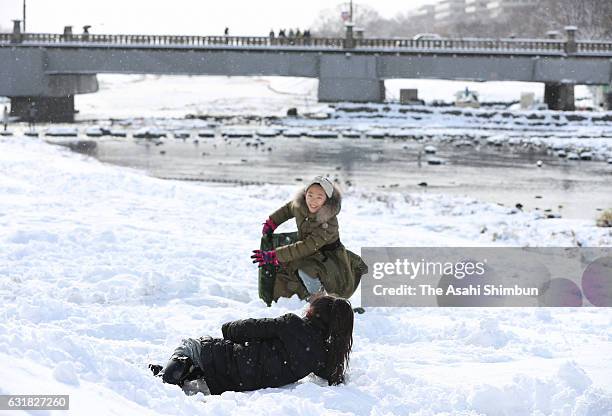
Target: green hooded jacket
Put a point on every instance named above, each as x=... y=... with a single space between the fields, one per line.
x=339 y=269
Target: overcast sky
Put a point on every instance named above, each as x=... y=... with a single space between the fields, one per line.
x=189 y=17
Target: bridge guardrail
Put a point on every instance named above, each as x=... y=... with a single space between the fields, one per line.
x=536 y=46
x=502 y=45
x=168 y=40
x=594 y=46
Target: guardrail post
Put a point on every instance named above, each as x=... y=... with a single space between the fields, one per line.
x=349 y=40
x=67 y=33
x=16 y=36
x=570 y=41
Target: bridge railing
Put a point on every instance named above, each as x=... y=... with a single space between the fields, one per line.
x=169 y=40
x=467 y=44
x=474 y=45
x=594 y=46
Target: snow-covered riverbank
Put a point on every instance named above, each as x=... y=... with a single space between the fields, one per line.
x=104 y=269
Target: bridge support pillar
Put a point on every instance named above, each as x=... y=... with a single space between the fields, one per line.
x=559 y=96
x=346 y=77
x=44 y=109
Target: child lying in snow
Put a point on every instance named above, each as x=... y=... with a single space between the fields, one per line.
x=259 y=353
x=318 y=261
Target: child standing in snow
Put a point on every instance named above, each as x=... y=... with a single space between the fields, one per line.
x=318 y=260
x=260 y=353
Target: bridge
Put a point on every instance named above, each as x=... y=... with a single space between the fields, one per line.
x=46 y=70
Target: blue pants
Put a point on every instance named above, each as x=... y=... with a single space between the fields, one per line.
x=313 y=285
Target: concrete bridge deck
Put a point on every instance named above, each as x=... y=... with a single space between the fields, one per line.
x=48 y=69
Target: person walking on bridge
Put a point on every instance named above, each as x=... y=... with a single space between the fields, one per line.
x=272 y=37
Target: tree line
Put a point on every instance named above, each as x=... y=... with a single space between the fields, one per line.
x=593 y=18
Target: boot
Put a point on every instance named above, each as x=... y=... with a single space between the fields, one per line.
x=178 y=370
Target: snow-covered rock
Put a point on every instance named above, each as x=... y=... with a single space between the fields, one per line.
x=61 y=131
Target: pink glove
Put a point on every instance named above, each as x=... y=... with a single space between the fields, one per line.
x=268 y=227
x=265 y=257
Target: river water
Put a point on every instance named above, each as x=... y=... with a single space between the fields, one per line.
x=498 y=174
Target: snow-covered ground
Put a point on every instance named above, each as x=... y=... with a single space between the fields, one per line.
x=104 y=269
x=121 y=96
x=491 y=91
x=125 y=96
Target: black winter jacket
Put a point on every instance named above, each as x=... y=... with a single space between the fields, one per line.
x=259 y=353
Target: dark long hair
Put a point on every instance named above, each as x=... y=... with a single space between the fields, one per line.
x=337 y=313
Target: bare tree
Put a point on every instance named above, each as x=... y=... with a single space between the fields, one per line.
x=329 y=23
x=516 y=22
x=407 y=25
x=592 y=17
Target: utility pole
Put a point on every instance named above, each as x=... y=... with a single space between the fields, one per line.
x=351 y=12
x=24 y=16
